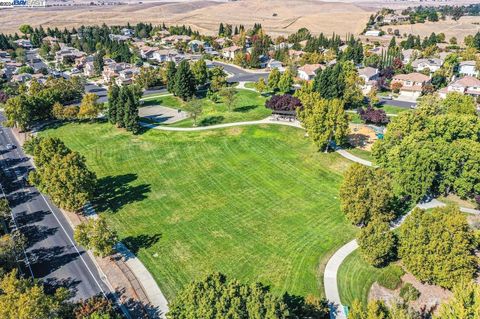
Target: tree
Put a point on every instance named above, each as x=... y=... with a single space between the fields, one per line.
x=438 y=247
x=148 y=78
x=324 y=120
x=11 y=250
x=89 y=108
x=25 y=29
x=94 y=234
x=200 y=72
x=374 y=310
x=130 y=106
x=465 y=303
x=286 y=81
x=273 y=79
x=260 y=85
x=113 y=103
x=367 y=194
x=171 y=72
x=217 y=78
x=96 y=307
x=330 y=83
x=184 y=81
x=194 y=108
x=98 y=62
x=217 y=297
x=229 y=95
x=377 y=243
x=458 y=103
x=371 y=115
x=284 y=102
x=21 y=299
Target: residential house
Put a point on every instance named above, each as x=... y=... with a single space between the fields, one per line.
x=50 y=40
x=221 y=41
x=173 y=39
x=378 y=50
x=412 y=84
x=89 y=69
x=370 y=77
x=468 y=68
x=146 y=52
x=112 y=71
x=295 y=55
x=119 y=37
x=23 y=43
x=394 y=18
x=21 y=78
x=67 y=55
x=432 y=64
x=164 y=55
x=126 y=76
x=127 y=32
x=195 y=45
x=274 y=64
x=409 y=55
x=467 y=85
x=308 y=71
x=230 y=52
x=373 y=33
x=283 y=45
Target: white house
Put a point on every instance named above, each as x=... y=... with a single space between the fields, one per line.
x=26 y=44
x=274 y=64
x=308 y=71
x=164 y=55
x=468 y=68
x=467 y=85
x=432 y=64
x=369 y=76
x=373 y=33
x=230 y=52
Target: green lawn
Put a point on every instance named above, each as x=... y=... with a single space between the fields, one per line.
x=355 y=277
x=391 y=109
x=250 y=85
x=249 y=106
x=258 y=203
x=366 y=155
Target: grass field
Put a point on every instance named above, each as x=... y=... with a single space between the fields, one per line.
x=355 y=277
x=258 y=203
x=391 y=109
x=249 y=106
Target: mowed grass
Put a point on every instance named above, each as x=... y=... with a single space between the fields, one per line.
x=248 y=106
x=356 y=277
x=257 y=203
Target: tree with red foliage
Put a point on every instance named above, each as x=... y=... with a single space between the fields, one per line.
x=397 y=64
x=3 y=97
x=284 y=102
x=96 y=307
x=373 y=116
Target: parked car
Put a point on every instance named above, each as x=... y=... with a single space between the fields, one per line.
x=10 y=146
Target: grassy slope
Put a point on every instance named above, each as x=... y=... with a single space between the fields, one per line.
x=249 y=106
x=256 y=203
x=355 y=277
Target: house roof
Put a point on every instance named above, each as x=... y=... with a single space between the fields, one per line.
x=310 y=69
x=468 y=63
x=414 y=77
x=233 y=48
x=368 y=72
x=467 y=81
x=431 y=62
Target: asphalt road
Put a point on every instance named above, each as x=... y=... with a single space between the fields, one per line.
x=52 y=254
x=398 y=103
x=240 y=75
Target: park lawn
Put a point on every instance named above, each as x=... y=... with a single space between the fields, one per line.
x=356 y=277
x=363 y=154
x=250 y=85
x=258 y=203
x=249 y=106
x=164 y=99
x=391 y=109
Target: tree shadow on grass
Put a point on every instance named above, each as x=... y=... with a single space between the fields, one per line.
x=244 y=109
x=135 y=243
x=114 y=192
x=211 y=120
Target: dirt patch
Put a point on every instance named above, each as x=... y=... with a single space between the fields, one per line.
x=362 y=136
x=430 y=295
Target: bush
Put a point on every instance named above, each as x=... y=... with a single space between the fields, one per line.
x=477 y=200
x=373 y=116
x=392 y=278
x=284 y=102
x=409 y=293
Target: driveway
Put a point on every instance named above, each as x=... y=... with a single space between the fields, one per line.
x=241 y=75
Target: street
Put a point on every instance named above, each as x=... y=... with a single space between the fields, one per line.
x=240 y=75
x=52 y=254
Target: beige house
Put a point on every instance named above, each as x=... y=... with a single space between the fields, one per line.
x=230 y=52
x=369 y=76
x=412 y=84
x=308 y=71
x=467 y=85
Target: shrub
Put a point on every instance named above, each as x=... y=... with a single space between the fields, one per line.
x=396 y=86
x=409 y=293
x=392 y=277
x=284 y=102
x=477 y=200
x=373 y=116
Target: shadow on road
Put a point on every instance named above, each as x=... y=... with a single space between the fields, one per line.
x=35 y=234
x=114 y=192
x=44 y=261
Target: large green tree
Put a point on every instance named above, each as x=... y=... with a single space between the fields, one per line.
x=94 y=234
x=184 y=81
x=216 y=297
x=465 y=303
x=171 y=72
x=273 y=79
x=377 y=243
x=438 y=246
x=367 y=193
x=200 y=72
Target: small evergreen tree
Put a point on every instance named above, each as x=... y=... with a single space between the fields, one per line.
x=184 y=81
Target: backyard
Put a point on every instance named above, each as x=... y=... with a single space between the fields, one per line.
x=248 y=106
x=257 y=203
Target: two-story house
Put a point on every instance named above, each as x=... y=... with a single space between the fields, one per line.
x=412 y=84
